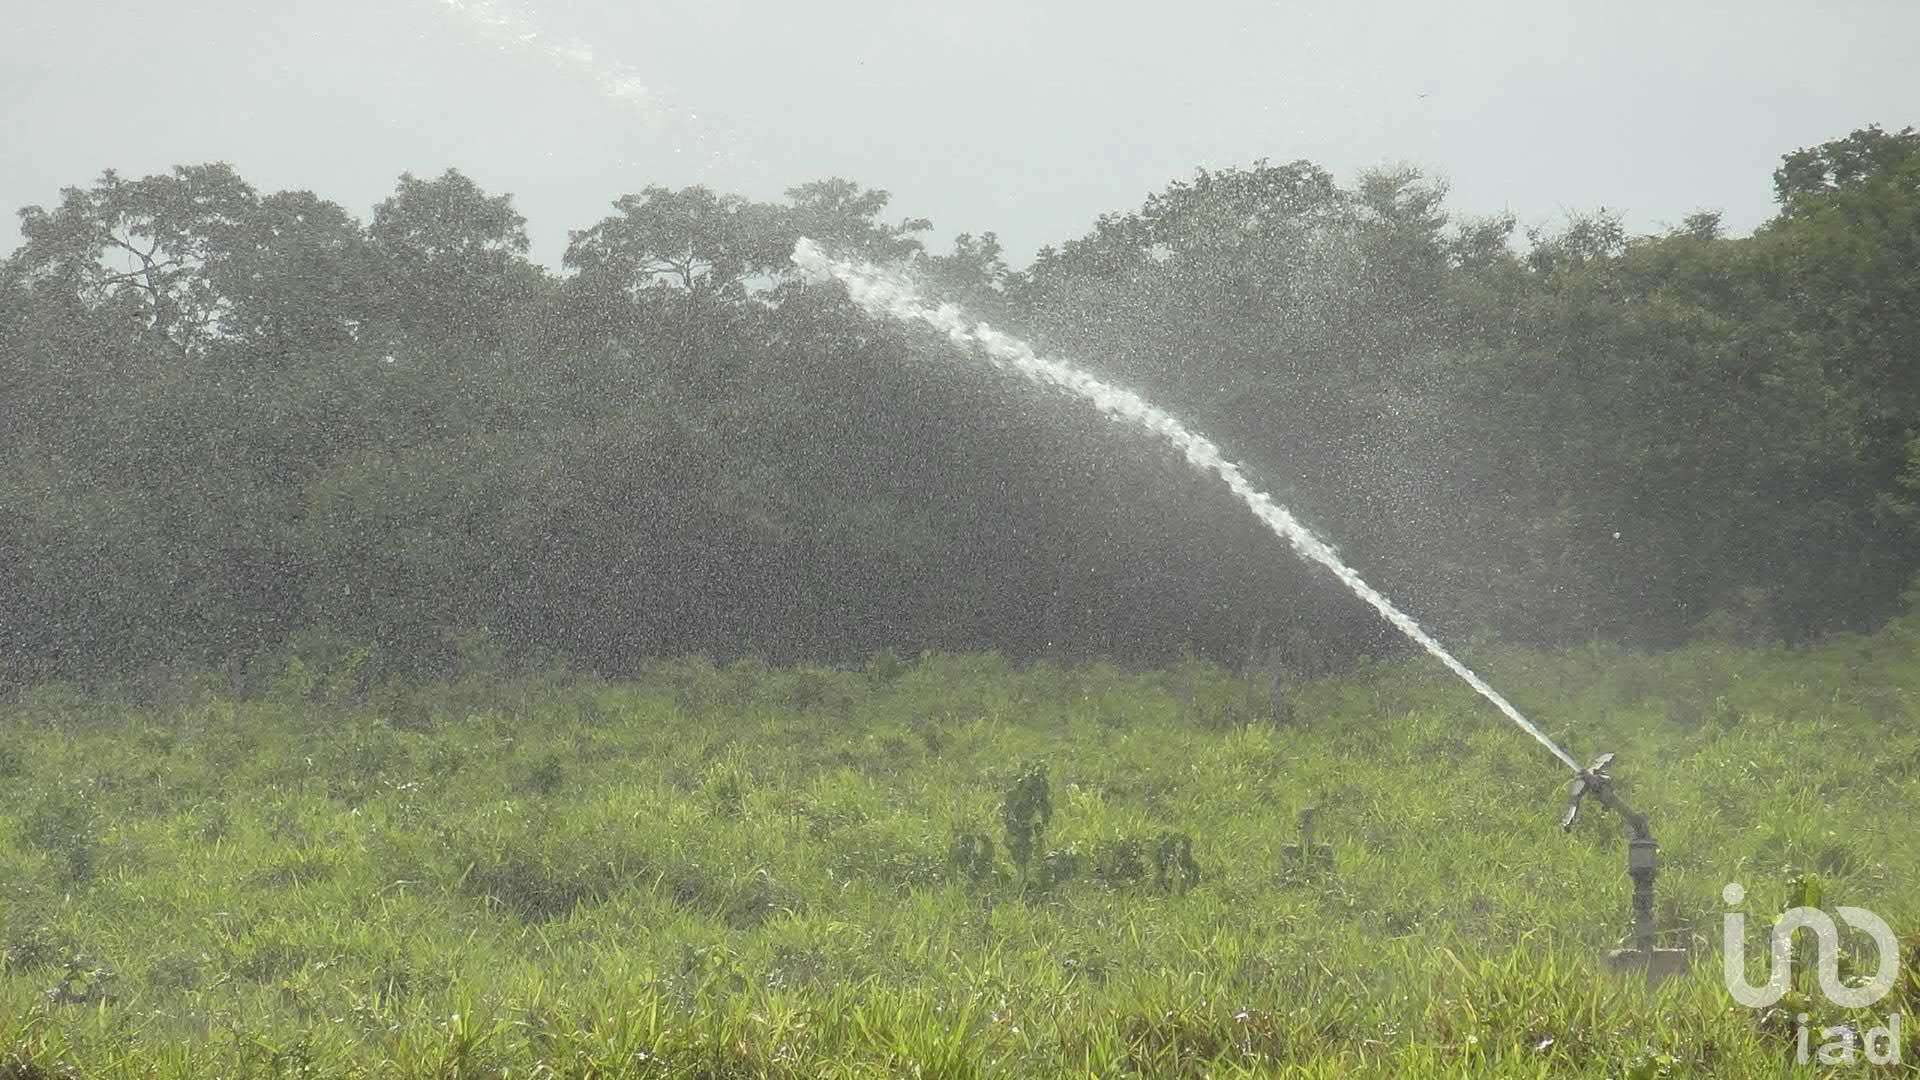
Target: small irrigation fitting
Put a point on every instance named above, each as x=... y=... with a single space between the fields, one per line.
x=1643 y=865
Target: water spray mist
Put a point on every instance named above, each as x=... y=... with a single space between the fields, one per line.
x=889 y=293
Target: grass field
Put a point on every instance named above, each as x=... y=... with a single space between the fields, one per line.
x=741 y=871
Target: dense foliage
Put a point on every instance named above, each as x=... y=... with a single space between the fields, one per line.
x=954 y=867
x=229 y=416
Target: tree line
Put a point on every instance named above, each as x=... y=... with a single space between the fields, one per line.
x=229 y=418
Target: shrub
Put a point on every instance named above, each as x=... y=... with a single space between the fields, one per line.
x=1024 y=813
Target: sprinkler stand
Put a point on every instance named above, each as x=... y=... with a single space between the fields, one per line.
x=1643 y=864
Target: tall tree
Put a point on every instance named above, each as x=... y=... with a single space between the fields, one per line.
x=147 y=249
x=297 y=278
x=451 y=258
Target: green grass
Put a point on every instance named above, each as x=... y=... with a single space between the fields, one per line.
x=742 y=871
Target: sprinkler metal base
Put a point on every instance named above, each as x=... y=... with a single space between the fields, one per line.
x=1659 y=964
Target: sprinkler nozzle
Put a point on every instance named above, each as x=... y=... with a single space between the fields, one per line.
x=1591 y=780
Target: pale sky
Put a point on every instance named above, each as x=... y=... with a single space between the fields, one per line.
x=1029 y=119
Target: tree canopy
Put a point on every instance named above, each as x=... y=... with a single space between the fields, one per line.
x=231 y=417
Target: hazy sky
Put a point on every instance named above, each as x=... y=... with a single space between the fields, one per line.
x=1029 y=119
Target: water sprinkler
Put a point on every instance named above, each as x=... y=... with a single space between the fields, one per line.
x=1643 y=864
